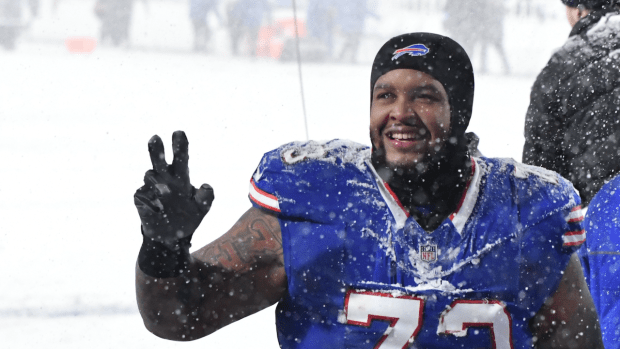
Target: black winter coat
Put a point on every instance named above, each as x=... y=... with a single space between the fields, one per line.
x=573 y=121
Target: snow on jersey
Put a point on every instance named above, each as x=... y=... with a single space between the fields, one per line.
x=363 y=274
x=600 y=258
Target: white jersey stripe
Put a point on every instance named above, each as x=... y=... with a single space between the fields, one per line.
x=574 y=238
x=400 y=215
x=576 y=215
x=263 y=198
x=471 y=197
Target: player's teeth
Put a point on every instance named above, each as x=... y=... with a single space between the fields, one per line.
x=402 y=136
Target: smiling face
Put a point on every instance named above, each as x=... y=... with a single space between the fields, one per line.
x=409 y=117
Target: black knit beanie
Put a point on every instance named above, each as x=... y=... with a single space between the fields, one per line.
x=591 y=4
x=440 y=57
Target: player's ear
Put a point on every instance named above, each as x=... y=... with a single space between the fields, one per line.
x=581 y=11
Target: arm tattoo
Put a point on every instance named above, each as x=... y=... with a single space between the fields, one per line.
x=253 y=237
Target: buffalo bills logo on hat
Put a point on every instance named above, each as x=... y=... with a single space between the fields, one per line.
x=413 y=50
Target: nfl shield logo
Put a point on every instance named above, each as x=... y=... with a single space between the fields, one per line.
x=428 y=253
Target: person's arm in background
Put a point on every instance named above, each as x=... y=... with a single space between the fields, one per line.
x=568 y=319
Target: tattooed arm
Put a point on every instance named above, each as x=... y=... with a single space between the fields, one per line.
x=236 y=275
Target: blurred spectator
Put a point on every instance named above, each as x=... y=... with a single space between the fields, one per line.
x=115 y=16
x=491 y=23
x=282 y=3
x=461 y=22
x=320 y=22
x=55 y=4
x=245 y=18
x=351 y=16
x=198 y=12
x=10 y=22
x=34 y=7
x=524 y=8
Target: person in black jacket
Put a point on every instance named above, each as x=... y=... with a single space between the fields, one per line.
x=572 y=125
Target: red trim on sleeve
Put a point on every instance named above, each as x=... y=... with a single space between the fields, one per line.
x=577 y=232
x=264 y=205
x=261 y=191
x=576 y=219
x=263 y=199
x=574 y=238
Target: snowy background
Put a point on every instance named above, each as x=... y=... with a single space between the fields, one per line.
x=73 y=143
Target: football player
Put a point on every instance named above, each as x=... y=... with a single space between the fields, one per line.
x=600 y=258
x=412 y=243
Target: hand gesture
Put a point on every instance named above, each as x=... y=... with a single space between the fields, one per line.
x=170 y=208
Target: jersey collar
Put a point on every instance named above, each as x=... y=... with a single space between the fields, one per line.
x=458 y=218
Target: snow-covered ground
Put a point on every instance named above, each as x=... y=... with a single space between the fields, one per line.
x=73 y=144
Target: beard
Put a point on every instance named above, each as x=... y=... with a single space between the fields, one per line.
x=437 y=181
x=401 y=174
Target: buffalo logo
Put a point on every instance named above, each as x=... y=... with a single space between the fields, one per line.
x=412 y=50
x=428 y=253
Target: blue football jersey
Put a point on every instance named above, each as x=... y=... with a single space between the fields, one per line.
x=363 y=274
x=600 y=258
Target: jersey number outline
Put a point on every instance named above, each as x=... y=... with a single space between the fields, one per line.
x=363 y=307
x=309 y=151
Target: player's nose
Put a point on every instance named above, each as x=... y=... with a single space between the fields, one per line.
x=402 y=111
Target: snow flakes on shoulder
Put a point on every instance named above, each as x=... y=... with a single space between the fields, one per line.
x=338 y=152
x=524 y=171
x=608 y=28
x=573 y=44
x=614 y=55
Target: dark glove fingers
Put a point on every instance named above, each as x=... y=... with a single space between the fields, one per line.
x=158 y=156
x=146 y=208
x=151 y=178
x=146 y=201
x=162 y=189
x=157 y=184
x=148 y=192
x=181 y=155
x=170 y=208
x=204 y=197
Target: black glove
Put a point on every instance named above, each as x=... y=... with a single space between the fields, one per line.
x=170 y=209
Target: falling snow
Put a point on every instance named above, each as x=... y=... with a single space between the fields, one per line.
x=74 y=131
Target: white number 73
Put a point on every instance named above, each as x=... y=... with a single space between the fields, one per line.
x=404 y=314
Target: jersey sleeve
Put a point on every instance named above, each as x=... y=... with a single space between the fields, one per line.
x=265 y=180
x=308 y=180
x=550 y=205
x=550 y=230
x=575 y=234
x=291 y=179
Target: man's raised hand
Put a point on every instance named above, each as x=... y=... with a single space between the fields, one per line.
x=170 y=208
